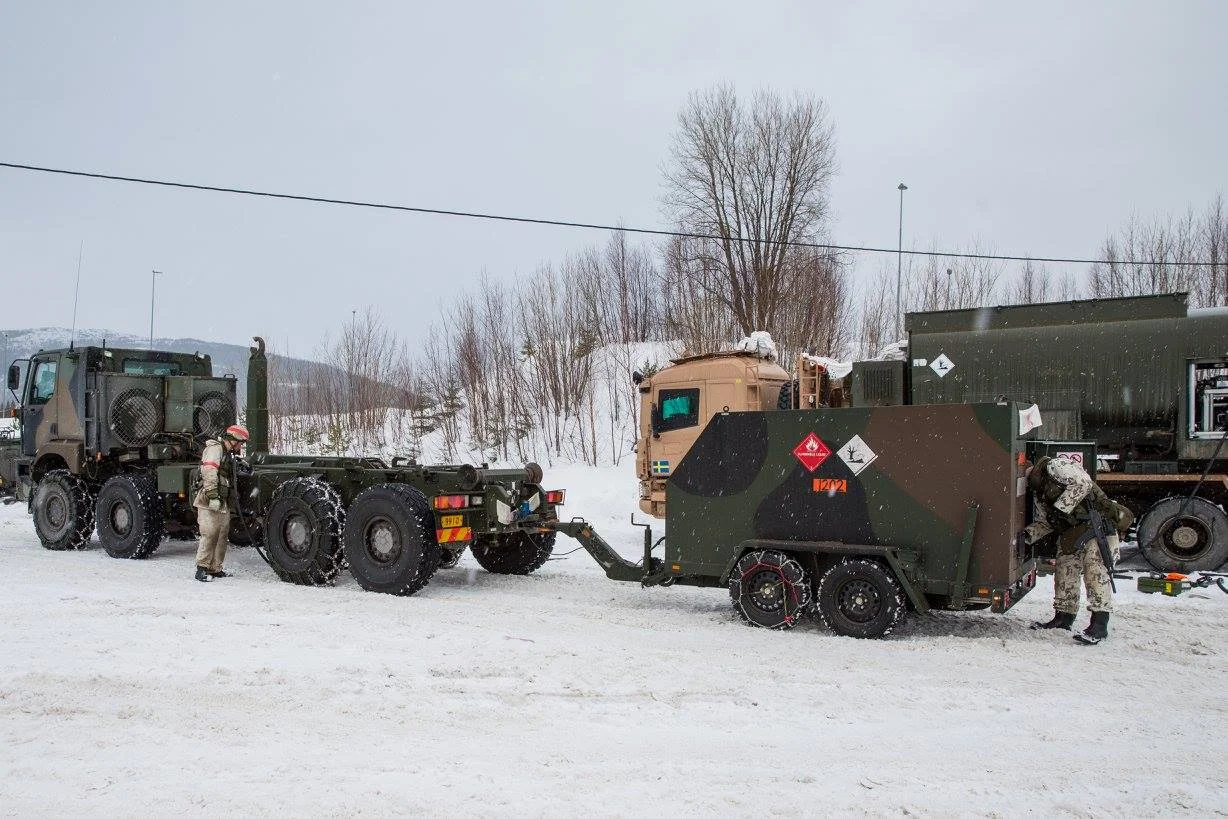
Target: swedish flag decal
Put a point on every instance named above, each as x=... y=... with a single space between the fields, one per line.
x=660 y=467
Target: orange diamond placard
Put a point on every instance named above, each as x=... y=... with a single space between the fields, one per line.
x=812 y=452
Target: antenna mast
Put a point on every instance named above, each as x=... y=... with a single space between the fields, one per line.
x=75 y=293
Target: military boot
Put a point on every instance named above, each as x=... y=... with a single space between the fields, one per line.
x=1096 y=631
x=1060 y=620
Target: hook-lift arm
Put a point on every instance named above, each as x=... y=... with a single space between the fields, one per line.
x=650 y=572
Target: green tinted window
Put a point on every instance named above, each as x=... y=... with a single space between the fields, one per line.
x=679 y=408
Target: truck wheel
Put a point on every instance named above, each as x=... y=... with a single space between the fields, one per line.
x=448 y=560
x=390 y=539
x=770 y=589
x=860 y=598
x=63 y=511
x=302 y=532
x=129 y=516
x=1196 y=541
x=513 y=552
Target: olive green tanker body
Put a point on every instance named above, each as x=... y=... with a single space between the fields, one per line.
x=1116 y=378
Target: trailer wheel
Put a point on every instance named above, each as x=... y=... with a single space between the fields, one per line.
x=129 y=516
x=1195 y=541
x=513 y=552
x=770 y=589
x=63 y=511
x=390 y=539
x=302 y=532
x=861 y=598
x=448 y=560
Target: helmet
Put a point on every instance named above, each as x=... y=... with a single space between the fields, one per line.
x=1036 y=475
x=236 y=433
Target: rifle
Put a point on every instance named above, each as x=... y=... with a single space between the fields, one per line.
x=1099 y=530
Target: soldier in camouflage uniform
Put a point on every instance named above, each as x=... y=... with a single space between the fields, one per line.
x=1064 y=494
x=217 y=473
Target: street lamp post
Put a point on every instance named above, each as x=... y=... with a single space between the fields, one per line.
x=899 y=264
x=153 y=288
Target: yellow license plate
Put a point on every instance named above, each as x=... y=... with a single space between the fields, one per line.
x=451 y=521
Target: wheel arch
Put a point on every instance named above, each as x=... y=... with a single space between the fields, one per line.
x=818 y=554
x=46 y=463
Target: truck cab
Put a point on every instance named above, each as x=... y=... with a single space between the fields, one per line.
x=677 y=402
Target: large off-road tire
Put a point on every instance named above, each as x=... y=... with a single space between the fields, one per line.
x=449 y=559
x=1195 y=541
x=788 y=395
x=390 y=539
x=129 y=516
x=63 y=511
x=861 y=598
x=770 y=589
x=513 y=552
x=302 y=532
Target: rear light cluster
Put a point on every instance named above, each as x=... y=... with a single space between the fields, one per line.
x=556 y=496
x=456 y=501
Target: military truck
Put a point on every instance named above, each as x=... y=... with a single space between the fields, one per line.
x=111 y=439
x=1144 y=377
x=858 y=515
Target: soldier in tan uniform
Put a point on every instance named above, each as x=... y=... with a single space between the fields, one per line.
x=217 y=473
x=1065 y=494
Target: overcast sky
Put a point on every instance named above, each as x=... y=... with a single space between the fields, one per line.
x=1036 y=127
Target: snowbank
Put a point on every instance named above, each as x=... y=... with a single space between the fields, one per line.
x=128 y=688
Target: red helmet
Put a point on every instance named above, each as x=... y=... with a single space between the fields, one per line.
x=236 y=433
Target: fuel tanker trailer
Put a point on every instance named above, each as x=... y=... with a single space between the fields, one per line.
x=853 y=515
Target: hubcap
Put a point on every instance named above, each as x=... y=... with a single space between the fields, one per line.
x=57 y=511
x=1189 y=538
x=297 y=534
x=121 y=519
x=767 y=591
x=383 y=543
x=859 y=601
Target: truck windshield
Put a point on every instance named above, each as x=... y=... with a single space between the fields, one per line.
x=134 y=366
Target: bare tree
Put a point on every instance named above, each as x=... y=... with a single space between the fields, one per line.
x=755 y=177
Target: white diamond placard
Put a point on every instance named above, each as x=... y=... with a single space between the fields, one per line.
x=857 y=455
x=942 y=365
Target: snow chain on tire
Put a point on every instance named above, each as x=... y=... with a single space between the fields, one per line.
x=514 y=552
x=129 y=516
x=302 y=532
x=860 y=597
x=770 y=589
x=63 y=511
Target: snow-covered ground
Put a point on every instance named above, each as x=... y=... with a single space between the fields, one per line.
x=128 y=688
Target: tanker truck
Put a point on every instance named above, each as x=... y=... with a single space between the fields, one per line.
x=1145 y=378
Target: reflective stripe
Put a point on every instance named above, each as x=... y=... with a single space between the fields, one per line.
x=213 y=464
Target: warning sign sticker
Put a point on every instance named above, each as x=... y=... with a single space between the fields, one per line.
x=812 y=452
x=857 y=454
x=1073 y=457
x=942 y=365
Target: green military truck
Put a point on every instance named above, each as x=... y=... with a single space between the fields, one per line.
x=111 y=440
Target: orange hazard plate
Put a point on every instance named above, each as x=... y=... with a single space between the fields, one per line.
x=451 y=521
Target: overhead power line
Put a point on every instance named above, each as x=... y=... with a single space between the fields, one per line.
x=564 y=223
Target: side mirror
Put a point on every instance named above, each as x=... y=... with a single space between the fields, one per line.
x=14 y=377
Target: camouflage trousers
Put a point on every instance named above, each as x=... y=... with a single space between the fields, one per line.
x=214 y=531
x=1079 y=568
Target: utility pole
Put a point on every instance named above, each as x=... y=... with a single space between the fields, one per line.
x=899 y=265
x=153 y=287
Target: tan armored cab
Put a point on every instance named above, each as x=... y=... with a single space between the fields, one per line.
x=676 y=403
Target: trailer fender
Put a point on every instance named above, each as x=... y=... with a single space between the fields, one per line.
x=897 y=559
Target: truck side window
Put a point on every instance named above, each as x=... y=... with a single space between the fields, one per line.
x=679 y=409
x=44 y=382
